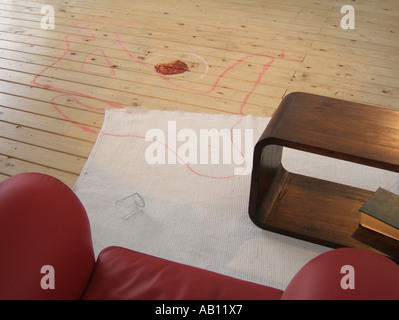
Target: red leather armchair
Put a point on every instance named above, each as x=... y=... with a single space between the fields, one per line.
x=43 y=223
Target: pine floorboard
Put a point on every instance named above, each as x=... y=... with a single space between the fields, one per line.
x=56 y=83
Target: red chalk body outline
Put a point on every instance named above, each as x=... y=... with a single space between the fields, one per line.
x=95 y=72
x=72 y=94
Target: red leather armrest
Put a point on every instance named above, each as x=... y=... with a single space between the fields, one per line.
x=42 y=222
x=346 y=274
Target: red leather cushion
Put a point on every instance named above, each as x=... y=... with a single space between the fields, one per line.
x=372 y=275
x=125 y=274
x=42 y=222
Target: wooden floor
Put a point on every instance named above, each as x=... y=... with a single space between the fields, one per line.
x=244 y=57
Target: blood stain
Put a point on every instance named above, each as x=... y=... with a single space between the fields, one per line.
x=175 y=67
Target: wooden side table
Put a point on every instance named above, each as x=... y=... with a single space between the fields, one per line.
x=313 y=209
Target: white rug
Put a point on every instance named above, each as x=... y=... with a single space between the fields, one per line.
x=196 y=212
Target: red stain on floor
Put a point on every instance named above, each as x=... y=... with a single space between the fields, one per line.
x=175 y=67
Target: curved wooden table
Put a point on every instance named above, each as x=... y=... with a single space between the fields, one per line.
x=312 y=209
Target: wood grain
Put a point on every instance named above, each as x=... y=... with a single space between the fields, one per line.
x=311 y=53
